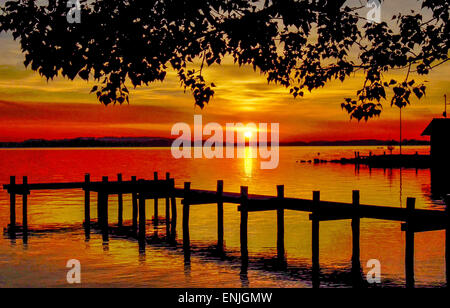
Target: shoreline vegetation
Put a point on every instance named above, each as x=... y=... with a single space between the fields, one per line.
x=103 y=142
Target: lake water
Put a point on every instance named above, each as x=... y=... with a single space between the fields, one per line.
x=119 y=263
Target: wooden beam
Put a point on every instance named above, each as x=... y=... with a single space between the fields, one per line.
x=19 y=188
x=330 y=216
x=422 y=226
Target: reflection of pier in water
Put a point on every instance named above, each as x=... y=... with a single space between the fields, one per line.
x=414 y=220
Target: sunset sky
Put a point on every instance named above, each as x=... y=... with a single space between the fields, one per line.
x=31 y=107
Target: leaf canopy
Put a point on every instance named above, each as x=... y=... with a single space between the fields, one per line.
x=299 y=44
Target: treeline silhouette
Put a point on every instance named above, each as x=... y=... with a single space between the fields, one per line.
x=86 y=142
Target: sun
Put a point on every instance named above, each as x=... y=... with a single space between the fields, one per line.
x=248 y=134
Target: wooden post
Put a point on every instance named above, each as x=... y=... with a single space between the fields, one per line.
x=134 y=206
x=167 y=208
x=173 y=202
x=315 y=239
x=280 y=224
x=87 y=203
x=155 y=175
x=356 y=229
x=120 y=205
x=186 y=238
x=12 y=204
x=447 y=241
x=356 y=223
x=25 y=209
x=219 y=216
x=409 y=249
x=104 y=216
x=104 y=211
x=142 y=218
x=99 y=203
x=244 y=226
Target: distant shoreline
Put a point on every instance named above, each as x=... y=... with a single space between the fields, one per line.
x=156 y=142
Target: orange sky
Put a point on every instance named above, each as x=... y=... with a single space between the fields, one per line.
x=32 y=108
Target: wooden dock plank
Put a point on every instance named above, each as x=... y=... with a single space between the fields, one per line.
x=162 y=188
x=19 y=188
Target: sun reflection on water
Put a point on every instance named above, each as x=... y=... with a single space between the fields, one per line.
x=250 y=154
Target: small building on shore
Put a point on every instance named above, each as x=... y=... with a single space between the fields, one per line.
x=439 y=132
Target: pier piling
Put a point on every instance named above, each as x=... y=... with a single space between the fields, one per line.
x=12 y=206
x=167 y=209
x=220 y=216
x=134 y=204
x=315 y=239
x=120 y=204
x=142 y=219
x=409 y=249
x=244 y=226
x=103 y=197
x=447 y=241
x=186 y=238
x=356 y=227
x=173 y=223
x=87 y=204
x=25 y=210
x=280 y=225
x=155 y=177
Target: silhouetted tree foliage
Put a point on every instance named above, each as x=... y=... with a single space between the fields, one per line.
x=300 y=45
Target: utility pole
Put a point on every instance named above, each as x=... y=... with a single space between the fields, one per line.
x=445 y=104
x=400 y=130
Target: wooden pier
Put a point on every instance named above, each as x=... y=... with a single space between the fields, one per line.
x=412 y=220
x=387 y=161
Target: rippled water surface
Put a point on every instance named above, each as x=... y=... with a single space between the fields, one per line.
x=119 y=263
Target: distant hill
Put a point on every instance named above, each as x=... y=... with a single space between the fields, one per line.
x=91 y=142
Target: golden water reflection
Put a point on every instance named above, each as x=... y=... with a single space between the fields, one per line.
x=42 y=261
x=250 y=155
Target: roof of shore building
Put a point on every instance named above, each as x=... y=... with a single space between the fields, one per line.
x=437 y=123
